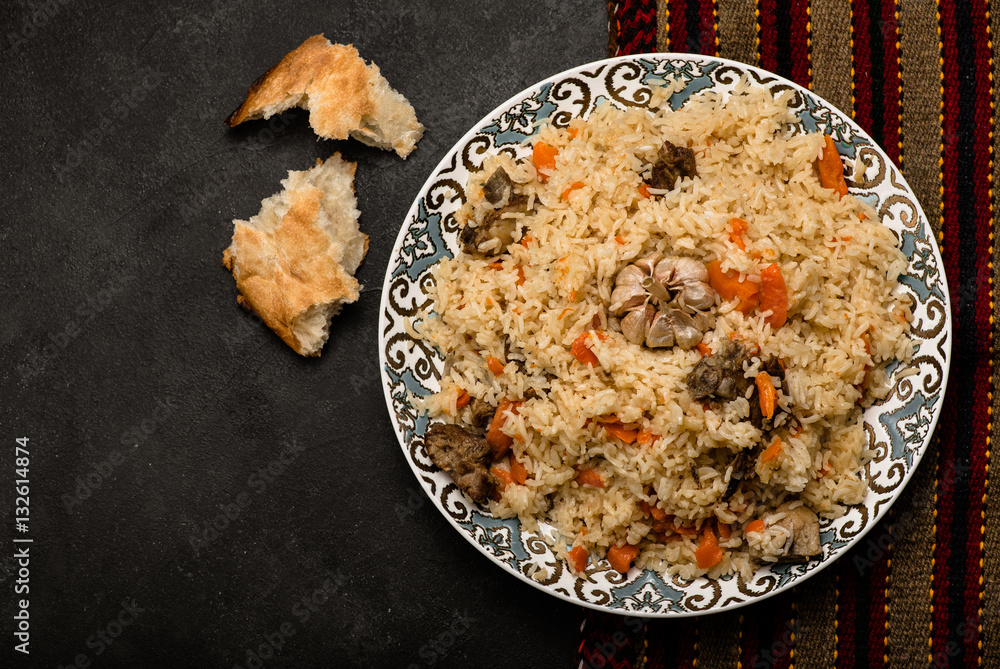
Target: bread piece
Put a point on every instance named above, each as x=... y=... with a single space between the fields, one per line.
x=294 y=262
x=343 y=95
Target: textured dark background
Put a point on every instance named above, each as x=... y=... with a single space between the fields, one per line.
x=153 y=403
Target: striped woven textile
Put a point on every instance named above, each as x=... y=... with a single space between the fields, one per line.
x=921 y=589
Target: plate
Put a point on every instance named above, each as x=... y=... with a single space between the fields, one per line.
x=898 y=428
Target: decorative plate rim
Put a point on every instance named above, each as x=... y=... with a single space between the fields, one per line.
x=899 y=180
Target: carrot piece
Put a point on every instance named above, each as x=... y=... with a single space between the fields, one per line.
x=520 y=275
x=581 y=351
x=704 y=349
x=622 y=432
x=774 y=295
x=737 y=227
x=563 y=313
x=768 y=395
x=463 y=399
x=644 y=191
x=644 y=436
x=544 y=158
x=657 y=513
x=620 y=240
x=590 y=477
x=573 y=187
x=755 y=526
x=708 y=552
x=526 y=240
x=498 y=441
x=494 y=365
x=505 y=476
x=773 y=451
x=622 y=557
x=644 y=505
x=831 y=170
x=517 y=471
x=725 y=531
x=578 y=559
x=573 y=132
x=496 y=265
x=728 y=286
x=797 y=431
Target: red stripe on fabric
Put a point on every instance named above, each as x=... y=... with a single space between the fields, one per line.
x=677 y=25
x=847 y=614
x=784 y=38
x=708 y=35
x=892 y=83
x=978 y=460
x=768 y=633
x=636 y=26
x=800 y=72
x=862 y=55
x=767 y=10
x=671 y=643
x=608 y=641
x=950 y=259
x=956 y=634
x=877 y=616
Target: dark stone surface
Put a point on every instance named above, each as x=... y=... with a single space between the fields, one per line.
x=127 y=363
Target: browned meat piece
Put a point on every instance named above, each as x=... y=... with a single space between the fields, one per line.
x=720 y=376
x=803 y=524
x=465 y=456
x=481 y=413
x=674 y=163
x=495 y=226
x=498 y=188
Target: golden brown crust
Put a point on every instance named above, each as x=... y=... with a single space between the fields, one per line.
x=283 y=272
x=342 y=93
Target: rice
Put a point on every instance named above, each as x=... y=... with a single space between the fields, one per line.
x=840 y=267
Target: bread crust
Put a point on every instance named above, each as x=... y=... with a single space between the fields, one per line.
x=343 y=94
x=285 y=271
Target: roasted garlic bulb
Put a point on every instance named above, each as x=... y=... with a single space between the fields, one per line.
x=663 y=301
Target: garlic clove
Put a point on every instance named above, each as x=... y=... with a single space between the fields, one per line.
x=630 y=275
x=625 y=298
x=634 y=324
x=647 y=264
x=698 y=296
x=661 y=331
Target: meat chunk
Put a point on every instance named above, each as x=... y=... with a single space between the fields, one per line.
x=674 y=162
x=720 y=376
x=497 y=220
x=803 y=526
x=498 y=188
x=481 y=413
x=463 y=455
